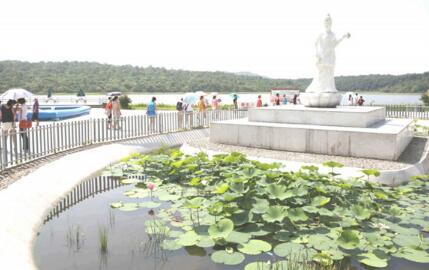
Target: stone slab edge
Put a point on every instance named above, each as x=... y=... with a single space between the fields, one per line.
x=24 y=204
x=397 y=177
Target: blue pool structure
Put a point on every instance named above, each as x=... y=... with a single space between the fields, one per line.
x=56 y=113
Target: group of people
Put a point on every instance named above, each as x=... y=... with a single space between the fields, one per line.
x=355 y=100
x=14 y=111
x=277 y=100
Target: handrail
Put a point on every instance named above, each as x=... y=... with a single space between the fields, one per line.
x=407 y=111
x=23 y=146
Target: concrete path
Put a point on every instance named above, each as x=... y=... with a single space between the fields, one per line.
x=24 y=204
x=293 y=166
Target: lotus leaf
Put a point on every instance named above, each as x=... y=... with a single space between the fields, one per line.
x=369 y=172
x=241 y=217
x=336 y=254
x=376 y=258
x=254 y=247
x=296 y=214
x=360 y=212
x=302 y=239
x=412 y=254
x=259 y=266
x=128 y=207
x=137 y=193
x=170 y=245
x=194 y=203
x=230 y=196
x=311 y=168
x=282 y=236
x=190 y=238
x=321 y=242
x=406 y=240
x=168 y=197
x=323 y=258
x=149 y=204
x=275 y=213
x=175 y=234
x=129 y=181
x=320 y=201
x=221 y=229
x=201 y=230
x=215 y=209
x=288 y=249
x=116 y=204
x=276 y=191
x=221 y=256
x=260 y=206
x=156 y=226
x=238 y=237
x=196 y=251
x=205 y=242
x=238 y=187
x=221 y=189
x=349 y=239
x=332 y=164
x=325 y=212
x=310 y=209
x=296 y=192
x=255 y=229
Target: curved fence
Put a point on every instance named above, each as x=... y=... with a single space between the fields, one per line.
x=19 y=146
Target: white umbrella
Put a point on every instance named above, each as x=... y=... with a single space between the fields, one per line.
x=200 y=93
x=16 y=93
x=190 y=98
x=214 y=94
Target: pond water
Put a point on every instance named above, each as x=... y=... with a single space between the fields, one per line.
x=70 y=236
x=129 y=246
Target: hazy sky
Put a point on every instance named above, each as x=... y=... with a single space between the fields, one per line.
x=271 y=38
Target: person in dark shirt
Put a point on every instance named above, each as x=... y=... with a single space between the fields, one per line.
x=295 y=97
x=35 y=115
x=8 y=121
x=277 y=100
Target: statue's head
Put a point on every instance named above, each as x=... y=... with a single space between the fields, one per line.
x=328 y=22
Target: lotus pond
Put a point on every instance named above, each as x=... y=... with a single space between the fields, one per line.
x=168 y=210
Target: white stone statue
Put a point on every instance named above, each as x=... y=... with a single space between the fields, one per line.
x=322 y=91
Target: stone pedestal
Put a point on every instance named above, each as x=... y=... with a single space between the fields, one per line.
x=345 y=131
x=321 y=100
x=344 y=116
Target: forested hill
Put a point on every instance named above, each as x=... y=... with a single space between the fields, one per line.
x=69 y=77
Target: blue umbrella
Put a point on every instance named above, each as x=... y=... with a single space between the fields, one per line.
x=190 y=98
x=233 y=95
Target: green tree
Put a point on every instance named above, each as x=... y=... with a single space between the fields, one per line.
x=125 y=101
x=425 y=98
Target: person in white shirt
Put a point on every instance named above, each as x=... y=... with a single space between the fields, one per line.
x=22 y=120
x=356 y=99
x=189 y=113
x=350 y=102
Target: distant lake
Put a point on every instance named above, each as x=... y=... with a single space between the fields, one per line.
x=370 y=98
x=172 y=98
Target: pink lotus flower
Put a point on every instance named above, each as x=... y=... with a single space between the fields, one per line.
x=150 y=186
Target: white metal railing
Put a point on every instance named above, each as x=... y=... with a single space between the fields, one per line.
x=22 y=146
x=407 y=111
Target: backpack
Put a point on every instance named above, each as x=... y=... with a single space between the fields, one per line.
x=179 y=106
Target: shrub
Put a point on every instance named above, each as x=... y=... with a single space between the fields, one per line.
x=125 y=101
x=425 y=98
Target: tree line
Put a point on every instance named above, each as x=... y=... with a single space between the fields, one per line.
x=72 y=77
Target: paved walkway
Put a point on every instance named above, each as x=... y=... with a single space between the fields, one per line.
x=24 y=204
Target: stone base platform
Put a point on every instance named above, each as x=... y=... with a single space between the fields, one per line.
x=385 y=140
x=342 y=116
